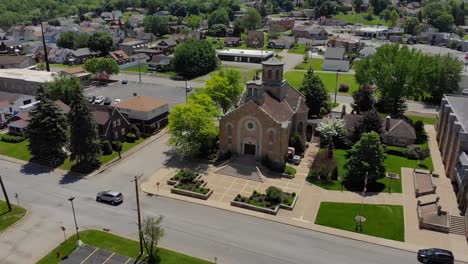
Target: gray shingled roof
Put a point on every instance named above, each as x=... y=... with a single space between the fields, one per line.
x=335 y=53
x=459 y=106
x=273 y=61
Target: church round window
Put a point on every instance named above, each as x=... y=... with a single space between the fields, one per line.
x=250 y=125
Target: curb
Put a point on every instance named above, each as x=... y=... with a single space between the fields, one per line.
x=289 y=224
x=17 y=222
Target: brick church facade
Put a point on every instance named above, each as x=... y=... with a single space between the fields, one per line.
x=270 y=111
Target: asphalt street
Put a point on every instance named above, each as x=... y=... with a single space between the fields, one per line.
x=193 y=229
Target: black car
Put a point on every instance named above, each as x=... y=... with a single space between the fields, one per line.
x=435 y=255
x=91 y=99
x=107 y=101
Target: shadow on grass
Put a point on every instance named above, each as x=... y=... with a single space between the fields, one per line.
x=372 y=188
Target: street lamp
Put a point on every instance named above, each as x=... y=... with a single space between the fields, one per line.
x=78 y=242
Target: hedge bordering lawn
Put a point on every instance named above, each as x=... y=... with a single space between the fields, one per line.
x=264 y=203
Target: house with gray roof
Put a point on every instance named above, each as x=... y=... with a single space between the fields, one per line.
x=452 y=137
x=334 y=60
x=79 y=56
x=316 y=33
x=160 y=63
x=281 y=43
x=15 y=62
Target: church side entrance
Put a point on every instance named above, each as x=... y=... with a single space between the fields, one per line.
x=249 y=149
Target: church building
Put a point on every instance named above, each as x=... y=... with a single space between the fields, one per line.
x=270 y=111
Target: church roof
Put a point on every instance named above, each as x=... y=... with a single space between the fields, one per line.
x=273 y=61
x=279 y=111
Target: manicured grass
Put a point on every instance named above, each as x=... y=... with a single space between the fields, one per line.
x=59 y=65
x=11 y=217
x=354 y=18
x=295 y=78
x=385 y=221
x=313 y=63
x=465 y=37
x=117 y=244
x=20 y=151
x=425 y=120
x=143 y=68
x=246 y=74
x=298 y=49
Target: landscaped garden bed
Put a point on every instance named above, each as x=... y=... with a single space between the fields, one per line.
x=269 y=202
x=189 y=183
x=385 y=221
x=289 y=172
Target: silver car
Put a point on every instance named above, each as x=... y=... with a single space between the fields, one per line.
x=110 y=197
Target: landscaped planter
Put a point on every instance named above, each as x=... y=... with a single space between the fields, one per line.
x=192 y=194
x=289 y=207
x=172 y=181
x=288 y=176
x=256 y=208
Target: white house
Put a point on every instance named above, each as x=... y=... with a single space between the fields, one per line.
x=12 y=102
x=58 y=55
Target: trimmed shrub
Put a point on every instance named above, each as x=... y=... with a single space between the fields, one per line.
x=12 y=139
x=106 y=147
x=289 y=170
x=131 y=137
x=134 y=130
x=416 y=152
x=274 y=194
x=344 y=88
x=297 y=142
x=419 y=127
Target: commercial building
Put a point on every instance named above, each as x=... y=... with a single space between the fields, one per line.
x=239 y=55
x=23 y=81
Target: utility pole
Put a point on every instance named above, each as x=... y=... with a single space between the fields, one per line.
x=5 y=194
x=45 y=49
x=138 y=210
x=78 y=242
x=186 y=87
x=139 y=67
x=336 y=86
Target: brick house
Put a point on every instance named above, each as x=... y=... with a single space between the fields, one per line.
x=282 y=24
x=316 y=33
x=255 y=39
x=119 y=56
x=111 y=123
x=270 y=111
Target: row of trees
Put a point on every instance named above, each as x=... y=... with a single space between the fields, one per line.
x=50 y=132
x=400 y=73
x=101 y=42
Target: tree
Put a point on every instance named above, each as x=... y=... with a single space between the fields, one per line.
x=393 y=18
x=444 y=76
x=84 y=141
x=225 y=88
x=371 y=122
x=297 y=142
x=251 y=19
x=54 y=22
x=98 y=65
x=379 y=5
x=357 y=5
x=194 y=58
x=192 y=128
x=194 y=21
x=63 y=88
x=66 y=40
x=316 y=94
x=412 y=26
x=326 y=8
x=47 y=131
x=443 y=22
x=274 y=194
x=101 y=42
x=416 y=152
x=151 y=233
x=331 y=130
x=203 y=99
x=305 y=58
x=366 y=157
x=237 y=29
x=81 y=40
x=364 y=99
x=217 y=30
x=157 y=25
x=219 y=16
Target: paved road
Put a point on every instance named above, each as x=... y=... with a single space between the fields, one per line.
x=412 y=105
x=197 y=230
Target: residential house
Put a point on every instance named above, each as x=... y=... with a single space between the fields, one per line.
x=334 y=60
x=79 y=56
x=332 y=22
x=176 y=29
x=15 y=62
x=130 y=47
x=58 y=55
x=148 y=113
x=24 y=33
x=394 y=132
x=297 y=14
x=111 y=123
x=435 y=38
x=135 y=21
x=81 y=74
x=119 y=56
x=166 y=45
x=111 y=16
x=232 y=41
x=350 y=46
x=196 y=34
x=179 y=38
x=18 y=123
x=367 y=52
x=255 y=39
x=12 y=102
x=279 y=25
x=38 y=53
x=316 y=33
x=281 y=43
x=10 y=48
x=141 y=57
x=162 y=13
x=160 y=63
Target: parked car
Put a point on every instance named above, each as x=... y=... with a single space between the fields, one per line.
x=110 y=197
x=435 y=255
x=117 y=101
x=188 y=89
x=296 y=160
x=99 y=100
x=91 y=99
x=124 y=81
x=107 y=101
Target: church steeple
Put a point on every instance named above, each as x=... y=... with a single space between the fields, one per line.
x=272 y=77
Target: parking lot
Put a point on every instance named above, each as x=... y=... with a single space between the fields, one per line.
x=91 y=255
x=173 y=91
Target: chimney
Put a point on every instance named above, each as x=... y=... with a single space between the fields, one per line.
x=134 y=94
x=387 y=123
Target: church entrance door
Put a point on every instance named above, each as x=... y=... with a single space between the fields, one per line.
x=249 y=149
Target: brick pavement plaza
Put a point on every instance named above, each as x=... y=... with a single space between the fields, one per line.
x=225 y=188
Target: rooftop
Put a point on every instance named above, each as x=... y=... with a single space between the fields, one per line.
x=240 y=52
x=27 y=75
x=459 y=106
x=142 y=103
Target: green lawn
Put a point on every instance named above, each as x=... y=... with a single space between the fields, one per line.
x=20 y=151
x=298 y=49
x=246 y=74
x=59 y=65
x=425 y=120
x=313 y=63
x=385 y=221
x=118 y=245
x=465 y=37
x=143 y=68
x=295 y=78
x=11 y=217
x=359 y=18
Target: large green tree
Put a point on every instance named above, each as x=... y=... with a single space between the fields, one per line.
x=84 y=141
x=47 y=131
x=101 y=42
x=366 y=157
x=219 y=16
x=194 y=21
x=317 y=97
x=364 y=99
x=66 y=40
x=251 y=19
x=370 y=122
x=97 y=65
x=444 y=76
x=194 y=58
x=192 y=129
x=151 y=233
x=63 y=88
x=225 y=88
x=157 y=25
